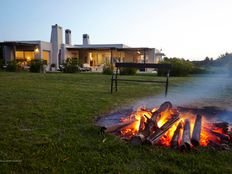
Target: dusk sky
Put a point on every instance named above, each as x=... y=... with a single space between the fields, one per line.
x=190 y=29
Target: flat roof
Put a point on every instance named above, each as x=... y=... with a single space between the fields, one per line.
x=106 y=47
x=35 y=42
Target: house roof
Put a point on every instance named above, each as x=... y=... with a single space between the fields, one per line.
x=17 y=43
x=119 y=47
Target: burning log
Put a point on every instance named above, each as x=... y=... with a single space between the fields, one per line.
x=141 y=124
x=223 y=137
x=197 y=131
x=223 y=125
x=116 y=127
x=217 y=146
x=186 y=143
x=137 y=139
x=163 y=107
x=149 y=126
x=176 y=136
x=154 y=138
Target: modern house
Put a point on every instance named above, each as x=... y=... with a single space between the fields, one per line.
x=93 y=55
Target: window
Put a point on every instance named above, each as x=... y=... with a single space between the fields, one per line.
x=19 y=55
x=46 y=56
x=24 y=55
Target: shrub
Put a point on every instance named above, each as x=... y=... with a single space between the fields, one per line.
x=180 y=67
x=53 y=65
x=1 y=64
x=128 y=71
x=108 y=69
x=12 y=66
x=70 y=65
x=199 y=70
x=36 y=65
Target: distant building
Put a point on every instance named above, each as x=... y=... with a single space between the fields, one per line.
x=93 y=55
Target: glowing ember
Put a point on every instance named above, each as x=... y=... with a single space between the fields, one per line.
x=207 y=132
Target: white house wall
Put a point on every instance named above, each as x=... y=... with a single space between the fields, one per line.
x=45 y=46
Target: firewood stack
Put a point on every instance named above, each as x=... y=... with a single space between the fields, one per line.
x=167 y=126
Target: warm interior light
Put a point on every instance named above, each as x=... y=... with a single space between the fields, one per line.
x=37 y=50
x=138 y=52
x=90 y=56
x=28 y=58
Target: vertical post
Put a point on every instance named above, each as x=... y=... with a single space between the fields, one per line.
x=14 y=52
x=111 y=58
x=112 y=82
x=144 y=55
x=166 y=87
x=116 y=80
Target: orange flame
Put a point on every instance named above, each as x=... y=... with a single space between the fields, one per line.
x=165 y=140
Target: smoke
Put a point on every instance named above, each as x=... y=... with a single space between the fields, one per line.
x=201 y=91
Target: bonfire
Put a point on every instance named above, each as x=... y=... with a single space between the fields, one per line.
x=171 y=127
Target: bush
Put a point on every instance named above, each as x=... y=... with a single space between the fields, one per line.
x=180 y=67
x=199 y=70
x=12 y=66
x=108 y=69
x=1 y=64
x=53 y=65
x=128 y=71
x=70 y=65
x=36 y=65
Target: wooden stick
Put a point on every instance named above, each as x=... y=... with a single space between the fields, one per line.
x=223 y=125
x=221 y=136
x=149 y=127
x=115 y=127
x=140 y=137
x=141 y=124
x=176 y=136
x=154 y=138
x=137 y=139
x=197 y=131
x=218 y=146
x=186 y=143
x=163 y=107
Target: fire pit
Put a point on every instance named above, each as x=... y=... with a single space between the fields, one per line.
x=176 y=127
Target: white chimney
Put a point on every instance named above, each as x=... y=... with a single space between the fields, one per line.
x=68 y=37
x=86 y=39
x=56 y=40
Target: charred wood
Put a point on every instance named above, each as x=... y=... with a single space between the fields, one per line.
x=197 y=131
x=217 y=146
x=140 y=137
x=154 y=138
x=186 y=143
x=115 y=127
x=141 y=124
x=150 y=126
x=163 y=107
x=223 y=125
x=137 y=139
x=176 y=136
x=222 y=137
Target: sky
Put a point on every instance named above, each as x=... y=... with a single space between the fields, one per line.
x=190 y=29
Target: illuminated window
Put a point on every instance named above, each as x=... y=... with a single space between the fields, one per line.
x=25 y=55
x=29 y=55
x=46 y=56
x=19 y=55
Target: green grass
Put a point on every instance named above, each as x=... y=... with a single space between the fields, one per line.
x=47 y=121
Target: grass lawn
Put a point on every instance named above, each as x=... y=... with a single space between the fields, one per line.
x=47 y=122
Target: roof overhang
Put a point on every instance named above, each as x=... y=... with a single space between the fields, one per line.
x=17 y=44
x=109 y=49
